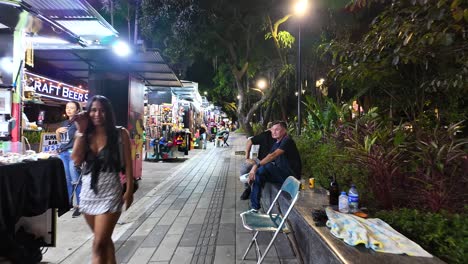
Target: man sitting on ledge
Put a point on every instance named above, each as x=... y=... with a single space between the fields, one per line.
x=264 y=142
x=282 y=161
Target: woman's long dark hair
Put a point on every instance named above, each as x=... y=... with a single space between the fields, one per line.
x=111 y=156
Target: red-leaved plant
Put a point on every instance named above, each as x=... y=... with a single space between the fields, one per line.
x=440 y=162
x=378 y=148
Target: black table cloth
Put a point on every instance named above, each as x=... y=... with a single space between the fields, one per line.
x=29 y=189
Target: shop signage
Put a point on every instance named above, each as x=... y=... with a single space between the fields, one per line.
x=48 y=142
x=160 y=97
x=53 y=89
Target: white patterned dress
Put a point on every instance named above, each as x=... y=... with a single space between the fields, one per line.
x=108 y=198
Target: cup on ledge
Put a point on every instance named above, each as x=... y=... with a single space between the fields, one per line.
x=311 y=183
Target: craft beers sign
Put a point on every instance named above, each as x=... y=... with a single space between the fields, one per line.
x=53 y=89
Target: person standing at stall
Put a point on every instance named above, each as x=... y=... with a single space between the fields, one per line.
x=102 y=197
x=65 y=135
x=203 y=135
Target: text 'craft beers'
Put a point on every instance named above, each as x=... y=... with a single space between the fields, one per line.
x=53 y=89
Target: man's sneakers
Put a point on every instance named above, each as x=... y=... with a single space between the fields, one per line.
x=246 y=194
x=76 y=213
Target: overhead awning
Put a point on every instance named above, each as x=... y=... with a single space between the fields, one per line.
x=151 y=67
x=148 y=66
x=188 y=91
x=75 y=21
x=56 y=26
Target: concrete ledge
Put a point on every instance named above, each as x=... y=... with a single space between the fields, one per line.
x=316 y=244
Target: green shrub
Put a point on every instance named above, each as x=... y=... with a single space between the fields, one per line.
x=306 y=147
x=240 y=130
x=442 y=234
x=323 y=160
x=257 y=128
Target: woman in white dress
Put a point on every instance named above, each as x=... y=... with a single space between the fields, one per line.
x=102 y=197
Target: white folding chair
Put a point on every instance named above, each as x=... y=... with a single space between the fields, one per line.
x=270 y=222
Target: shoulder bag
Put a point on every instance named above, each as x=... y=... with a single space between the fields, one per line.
x=122 y=164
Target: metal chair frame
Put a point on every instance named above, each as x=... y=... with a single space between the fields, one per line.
x=291 y=185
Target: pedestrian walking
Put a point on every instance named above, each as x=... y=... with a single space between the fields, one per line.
x=102 y=197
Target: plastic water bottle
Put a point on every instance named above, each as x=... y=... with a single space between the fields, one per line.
x=353 y=199
x=343 y=205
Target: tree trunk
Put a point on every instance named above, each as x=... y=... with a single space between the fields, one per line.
x=241 y=116
x=241 y=89
x=112 y=12
x=129 y=25
x=135 y=32
x=267 y=117
x=268 y=95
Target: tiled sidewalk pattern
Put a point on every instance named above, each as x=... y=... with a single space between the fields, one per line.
x=195 y=219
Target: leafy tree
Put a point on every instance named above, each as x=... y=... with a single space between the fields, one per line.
x=227 y=30
x=127 y=10
x=223 y=94
x=412 y=61
x=171 y=27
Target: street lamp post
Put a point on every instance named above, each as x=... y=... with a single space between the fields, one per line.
x=299 y=83
x=299 y=9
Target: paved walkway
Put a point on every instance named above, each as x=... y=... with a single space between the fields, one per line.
x=191 y=217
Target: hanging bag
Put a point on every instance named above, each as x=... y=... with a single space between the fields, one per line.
x=122 y=164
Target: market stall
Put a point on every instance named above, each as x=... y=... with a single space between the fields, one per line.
x=44 y=101
x=33 y=92
x=48 y=50
x=30 y=185
x=166 y=137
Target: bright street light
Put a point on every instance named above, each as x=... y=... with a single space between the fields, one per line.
x=206 y=93
x=300 y=7
x=121 y=48
x=319 y=82
x=262 y=84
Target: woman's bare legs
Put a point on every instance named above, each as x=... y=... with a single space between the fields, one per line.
x=103 y=246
